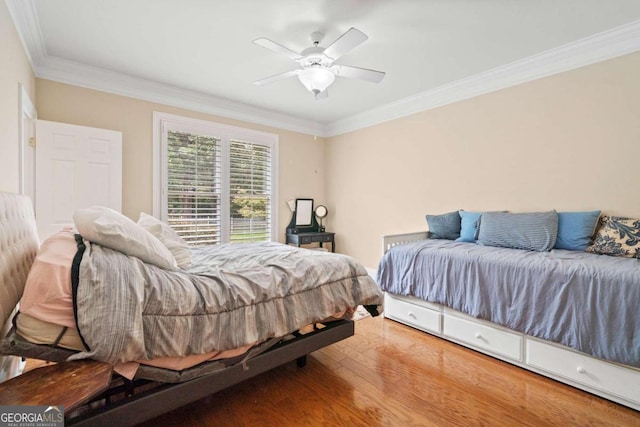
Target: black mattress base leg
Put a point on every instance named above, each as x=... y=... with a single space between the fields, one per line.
x=129 y=388
x=301 y=361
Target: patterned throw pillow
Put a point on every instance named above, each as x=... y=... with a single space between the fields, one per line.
x=617 y=236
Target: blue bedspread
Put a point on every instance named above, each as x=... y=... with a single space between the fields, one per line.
x=585 y=301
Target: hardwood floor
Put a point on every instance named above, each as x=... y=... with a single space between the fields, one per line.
x=391 y=375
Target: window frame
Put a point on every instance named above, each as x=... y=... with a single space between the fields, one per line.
x=162 y=122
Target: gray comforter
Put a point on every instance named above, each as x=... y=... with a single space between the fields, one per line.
x=585 y=301
x=233 y=295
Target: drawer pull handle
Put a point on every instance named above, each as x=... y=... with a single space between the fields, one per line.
x=581 y=370
x=478 y=335
x=412 y=315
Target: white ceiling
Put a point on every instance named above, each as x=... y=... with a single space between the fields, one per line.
x=202 y=50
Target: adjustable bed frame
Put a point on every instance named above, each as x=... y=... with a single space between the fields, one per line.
x=124 y=402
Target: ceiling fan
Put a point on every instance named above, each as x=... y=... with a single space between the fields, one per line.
x=317 y=70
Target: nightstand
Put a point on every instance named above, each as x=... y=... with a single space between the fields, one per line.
x=312 y=237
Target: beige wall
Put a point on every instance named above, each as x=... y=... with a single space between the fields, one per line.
x=565 y=142
x=301 y=158
x=15 y=69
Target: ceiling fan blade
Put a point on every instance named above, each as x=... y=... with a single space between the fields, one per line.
x=372 y=76
x=350 y=39
x=322 y=95
x=276 y=47
x=276 y=77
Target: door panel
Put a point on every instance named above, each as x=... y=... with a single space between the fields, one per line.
x=76 y=167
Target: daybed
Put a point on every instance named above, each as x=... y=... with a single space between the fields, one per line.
x=267 y=304
x=569 y=315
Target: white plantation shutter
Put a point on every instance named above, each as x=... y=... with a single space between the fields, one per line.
x=249 y=191
x=215 y=183
x=193 y=187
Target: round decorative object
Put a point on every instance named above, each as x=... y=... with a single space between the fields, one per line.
x=321 y=211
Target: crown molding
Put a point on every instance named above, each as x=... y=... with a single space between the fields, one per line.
x=589 y=50
x=77 y=74
x=596 y=48
x=25 y=18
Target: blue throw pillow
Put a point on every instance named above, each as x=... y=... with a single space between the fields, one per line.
x=445 y=226
x=535 y=231
x=575 y=229
x=468 y=227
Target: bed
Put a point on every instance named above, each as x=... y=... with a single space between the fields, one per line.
x=571 y=316
x=266 y=303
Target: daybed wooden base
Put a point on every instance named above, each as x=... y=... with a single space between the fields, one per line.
x=612 y=381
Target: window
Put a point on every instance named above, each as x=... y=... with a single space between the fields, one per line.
x=214 y=183
x=194 y=187
x=249 y=191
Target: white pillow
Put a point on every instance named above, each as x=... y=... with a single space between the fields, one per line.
x=168 y=236
x=111 y=229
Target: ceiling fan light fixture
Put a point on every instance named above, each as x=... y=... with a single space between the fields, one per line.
x=316 y=68
x=316 y=79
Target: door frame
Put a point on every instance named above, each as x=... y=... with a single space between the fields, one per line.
x=27 y=111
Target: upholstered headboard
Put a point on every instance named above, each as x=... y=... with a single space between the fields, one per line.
x=18 y=246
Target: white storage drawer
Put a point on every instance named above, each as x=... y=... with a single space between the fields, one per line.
x=584 y=369
x=420 y=317
x=494 y=340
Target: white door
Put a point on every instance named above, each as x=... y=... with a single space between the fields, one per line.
x=76 y=167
